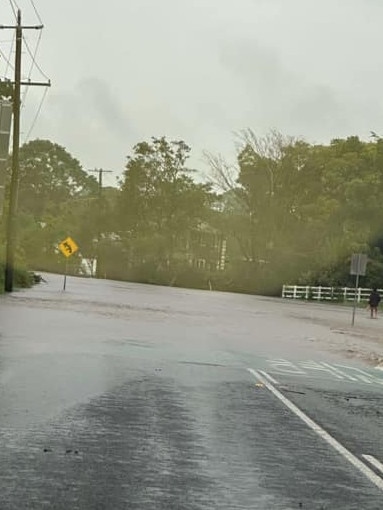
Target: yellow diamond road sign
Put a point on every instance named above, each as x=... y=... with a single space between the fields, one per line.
x=68 y=247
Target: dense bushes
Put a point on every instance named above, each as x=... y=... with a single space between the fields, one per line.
x=22 y=277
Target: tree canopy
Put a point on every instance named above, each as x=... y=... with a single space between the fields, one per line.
x=49 y=177
x=287 y=211
x=160 y=204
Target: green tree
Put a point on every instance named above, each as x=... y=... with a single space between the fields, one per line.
x=300 y=209
x=6 y=89
x=56 y=199
x=50 y=177
x=160 y=204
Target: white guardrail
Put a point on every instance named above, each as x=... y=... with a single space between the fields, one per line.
x=326 y=293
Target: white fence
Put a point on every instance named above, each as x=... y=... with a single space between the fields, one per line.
x=326 y=293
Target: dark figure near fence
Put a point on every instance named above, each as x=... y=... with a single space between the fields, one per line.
x=374 y=301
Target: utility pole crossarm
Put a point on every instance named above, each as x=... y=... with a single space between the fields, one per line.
x=36 y=83
x=24 y=27
x=10 y=84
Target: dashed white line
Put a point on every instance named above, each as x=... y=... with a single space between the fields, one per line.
x=374 y=462
x=350 y=457
x=268 y=376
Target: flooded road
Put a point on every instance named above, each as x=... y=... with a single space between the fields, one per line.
x=123 y=396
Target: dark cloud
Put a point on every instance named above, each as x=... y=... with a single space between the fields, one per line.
x=199 y=70
x=104 y=105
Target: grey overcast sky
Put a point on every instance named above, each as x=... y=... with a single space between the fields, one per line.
x=125 y=70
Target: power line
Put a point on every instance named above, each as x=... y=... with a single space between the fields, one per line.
x=11 y=51
x=33 y=57
x=13 y=3
x=31 y=68
x=36 y=12
x=9 y=65
x=36 y=116
x=8 y=62
x=33 y=64
x=13 y=7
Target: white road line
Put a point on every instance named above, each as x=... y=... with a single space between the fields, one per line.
x=363 y=377
x=268 y=376
x=340 y=372
x=283 y=366
x=313 y=365
x=350 y=457
x=374 y=462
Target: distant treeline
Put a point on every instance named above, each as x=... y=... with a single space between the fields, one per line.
x=286 y=212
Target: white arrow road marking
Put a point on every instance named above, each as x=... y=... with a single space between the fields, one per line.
x=374 y=462
x=346 y=454
x=340 y=372
x=313 y=365
x=283 y=366
x=322 y=369
x=361 y=375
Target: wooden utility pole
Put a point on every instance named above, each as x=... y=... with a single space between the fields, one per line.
x=101 y=172
x=11 y=219
x=14 y=186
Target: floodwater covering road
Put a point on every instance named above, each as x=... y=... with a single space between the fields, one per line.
x=124 y=396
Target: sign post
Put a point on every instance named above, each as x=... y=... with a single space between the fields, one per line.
x=66 y=272
x=67 y=247
x=357 y=268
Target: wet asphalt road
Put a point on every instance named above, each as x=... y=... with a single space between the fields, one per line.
x=123 y=396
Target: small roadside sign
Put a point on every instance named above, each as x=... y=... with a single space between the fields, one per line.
x=68 y=247
x=358 y=264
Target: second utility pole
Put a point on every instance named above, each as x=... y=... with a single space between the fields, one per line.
x=100 y=172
